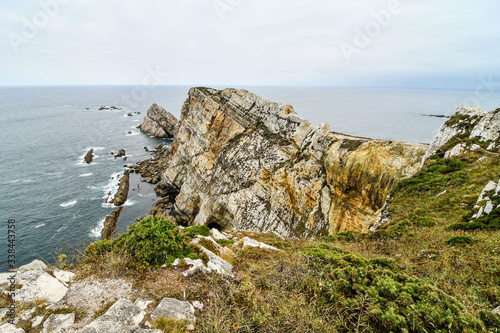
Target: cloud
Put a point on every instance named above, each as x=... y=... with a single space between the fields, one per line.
x=253 y=43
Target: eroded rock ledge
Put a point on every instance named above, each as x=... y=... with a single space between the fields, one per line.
x=239 y=161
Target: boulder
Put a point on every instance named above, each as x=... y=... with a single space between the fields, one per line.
x=64 y=276
x=159 y=122
x=58 y=322
x=172 y=308
x=216 y=234
x=123 y=316
x=248 y=242
x=9 y=328
x=38 y=284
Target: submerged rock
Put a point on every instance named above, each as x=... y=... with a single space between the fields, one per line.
x=89 y=157
x=159 y=122
x=110 y=223
x=246 y=163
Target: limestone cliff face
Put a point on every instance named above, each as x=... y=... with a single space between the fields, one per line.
x=243 y=162
x=159 y=122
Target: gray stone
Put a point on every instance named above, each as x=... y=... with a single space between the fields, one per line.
x=455 y=151
x=172 y=308
x=253 y=243
x=217 y=264
x=37 y=321
x=27 y=314
x=123 y=316
x=58 y=323
x=198 y=305
x=38 y=284
x=9 y=328
x=64 y=276
x=196 y=266
x=142 y=303
x=216 y=234
x=496 y=310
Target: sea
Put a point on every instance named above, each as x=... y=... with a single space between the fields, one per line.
x=58 y=201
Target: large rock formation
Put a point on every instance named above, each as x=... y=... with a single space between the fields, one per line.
x=159 y=122
x=471 y=128
x=240 y=161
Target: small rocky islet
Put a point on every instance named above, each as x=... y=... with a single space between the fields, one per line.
x=242 y=169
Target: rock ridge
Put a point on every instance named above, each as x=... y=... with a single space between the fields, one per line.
x=159 y=122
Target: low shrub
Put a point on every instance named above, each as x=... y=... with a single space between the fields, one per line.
x=152 y=241
x=465 y=226
x=377 y=297
x=195 y=230
x=456 y=240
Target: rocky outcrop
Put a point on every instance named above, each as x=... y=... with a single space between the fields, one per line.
x=121 y=153
x=110 y=223
x=123 y=187
x=159 y=122
x=38 y=284
x=488 y=201
x=152 y=169
x=242 y=162
x=89 y=157
x=472 y=128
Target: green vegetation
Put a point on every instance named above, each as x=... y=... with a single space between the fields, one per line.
x=381 y=298
x=224 y=242
x=456 y=240
x=193 y=231
x=152 y=241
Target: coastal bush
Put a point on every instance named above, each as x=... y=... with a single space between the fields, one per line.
x=456 y=240
x=155 y=241
x=225 y=241
x=465 y=226
x=376 y=296
x=152 y=241
x=195 y=230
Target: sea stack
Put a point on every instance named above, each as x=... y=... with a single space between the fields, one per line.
x=159 y=122
x=89 y=157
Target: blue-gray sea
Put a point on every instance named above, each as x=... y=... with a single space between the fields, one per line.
x=56 y=198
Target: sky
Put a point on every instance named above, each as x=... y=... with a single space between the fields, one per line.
x=446 y=44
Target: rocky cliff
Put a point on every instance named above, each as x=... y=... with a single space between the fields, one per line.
x=469 y=128
x=159 y=122
x=239 y=161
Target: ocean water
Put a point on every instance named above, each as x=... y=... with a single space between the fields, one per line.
x=57 y=199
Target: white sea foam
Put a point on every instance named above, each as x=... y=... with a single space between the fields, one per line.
x=86 y=174
x=68 y=204
x=38 y=226
x=112 y=185
x=61 y=228
x=96 y=231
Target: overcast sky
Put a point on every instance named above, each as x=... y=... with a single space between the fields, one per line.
x=355 y=43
